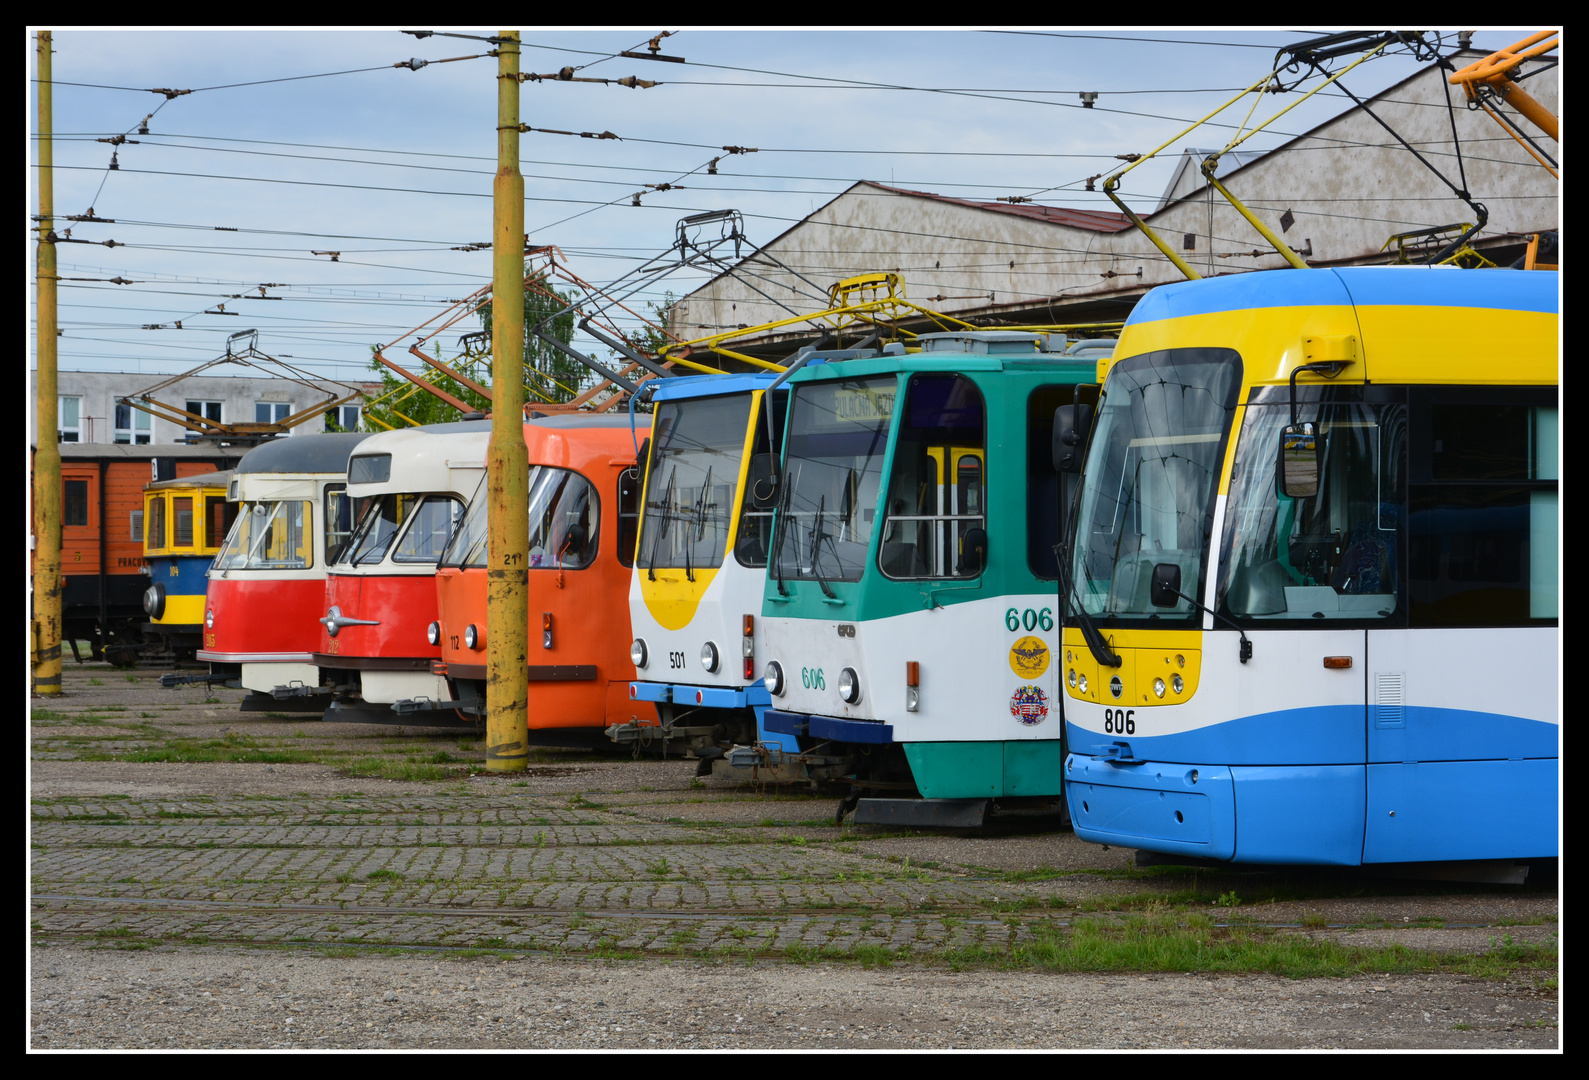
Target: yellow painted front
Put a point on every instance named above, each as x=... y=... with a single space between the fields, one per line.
x=182 y=611
x=672 y=599
x=1145 y=655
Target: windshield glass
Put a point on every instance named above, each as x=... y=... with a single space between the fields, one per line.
x=1151 y=474
x=382 y=518
x=270 y=536
x=697 y=445
x=429 y=529
x=1331 y=555
x=838 y=433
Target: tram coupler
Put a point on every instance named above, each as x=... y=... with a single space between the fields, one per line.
x=297 y=689
x=174 y=680
x=423 y=704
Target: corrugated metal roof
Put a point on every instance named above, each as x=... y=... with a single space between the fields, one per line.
x=1107 y=221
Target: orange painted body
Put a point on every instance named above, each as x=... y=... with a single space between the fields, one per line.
x=582 y=680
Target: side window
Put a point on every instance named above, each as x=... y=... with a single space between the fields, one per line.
x=753 y=538
x=1483 y=507
x=218 y=517
x=339 y=518
x=157 y=523
x=74 y=507
x=629 y=493
x=135 y=526
x=564 y=519
x=936 y=493
x=1047 y=492
x=182 y=522
x=1335 y=554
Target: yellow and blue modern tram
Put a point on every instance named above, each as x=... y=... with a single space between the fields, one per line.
x=1313 y=574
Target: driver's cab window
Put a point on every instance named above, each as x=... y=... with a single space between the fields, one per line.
x=1334 y=554
x=937 y=489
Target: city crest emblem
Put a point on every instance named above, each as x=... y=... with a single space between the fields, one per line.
x=1029 y=705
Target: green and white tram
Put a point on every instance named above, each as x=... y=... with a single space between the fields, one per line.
x=909 y=612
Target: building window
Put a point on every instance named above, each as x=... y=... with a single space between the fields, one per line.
x=132 y=425
x=210 y=410
x=343 y=418
x=271 y=412
x=71 y=419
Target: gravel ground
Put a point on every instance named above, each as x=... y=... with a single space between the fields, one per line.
x=598 y=902
x=210 y=998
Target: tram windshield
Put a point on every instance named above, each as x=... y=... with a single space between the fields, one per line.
x=1151 y=476
x=1331 y=555
x=377 y=528
x=429 y=528
x=270 y=535
x=697 y=446
x=565 y=519
x=833 y=470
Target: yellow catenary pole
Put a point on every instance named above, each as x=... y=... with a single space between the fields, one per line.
x=47 y=458
x=507 y=459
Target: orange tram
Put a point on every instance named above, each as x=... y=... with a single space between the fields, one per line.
x=584 y=508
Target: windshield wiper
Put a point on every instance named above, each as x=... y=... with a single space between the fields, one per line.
x=699 y=513
x=818 y=534
x=1096 y=644
x=662 y=529
x=780 y=529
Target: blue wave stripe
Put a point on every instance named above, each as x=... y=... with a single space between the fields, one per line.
x=1415 y=286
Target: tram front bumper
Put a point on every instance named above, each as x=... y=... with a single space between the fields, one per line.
x=1176 y=809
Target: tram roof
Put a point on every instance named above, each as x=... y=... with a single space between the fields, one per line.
x=1360 y=286
x=424 y=458
x=693 y=386
x=318 y=453
x=579 y=420
x=197 y=480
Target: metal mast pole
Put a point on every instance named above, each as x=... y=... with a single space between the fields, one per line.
x=47 y=458
x=507 y=459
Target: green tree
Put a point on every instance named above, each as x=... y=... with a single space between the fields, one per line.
x=549 y=375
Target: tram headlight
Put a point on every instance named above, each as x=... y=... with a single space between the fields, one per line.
x=849 y=686
x=1081 y=683
x=1177 y=684
x=471 y=636
x=154 y=600
x=772 y=678
x=1073 y=678
x=209 y=618
x=709 y=657
x=637 y=653
x=433 y=633
x=1158 y=688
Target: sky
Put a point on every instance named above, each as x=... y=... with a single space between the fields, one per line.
x=302 y=141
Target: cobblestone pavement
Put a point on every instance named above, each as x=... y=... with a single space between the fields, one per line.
x=251 y=891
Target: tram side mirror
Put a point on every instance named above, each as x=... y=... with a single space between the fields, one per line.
x=1072 y=426
x=761 y=482
x=1166 y=587
x=643 y=458
x=574 y=539
x=974 y=553
x=1299 y=461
